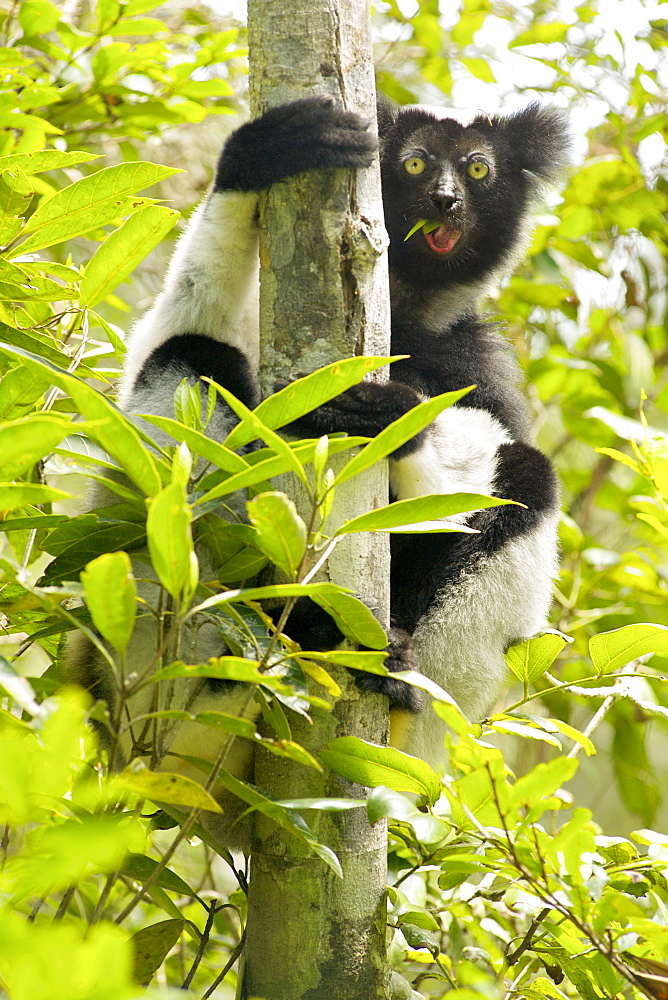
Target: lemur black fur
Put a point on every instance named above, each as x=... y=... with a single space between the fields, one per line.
x=457 y=600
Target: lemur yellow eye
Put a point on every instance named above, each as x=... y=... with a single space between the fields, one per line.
x=477 y=169
x=414 y=165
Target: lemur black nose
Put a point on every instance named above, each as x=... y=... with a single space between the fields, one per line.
x=444 y=199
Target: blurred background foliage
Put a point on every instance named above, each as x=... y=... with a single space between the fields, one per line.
x=138 y=81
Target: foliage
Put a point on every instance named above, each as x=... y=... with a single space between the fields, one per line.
x=494 y=891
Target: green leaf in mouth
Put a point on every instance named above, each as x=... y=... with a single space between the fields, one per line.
x=425 y=225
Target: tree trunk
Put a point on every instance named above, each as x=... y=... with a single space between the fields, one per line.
x=324 y=296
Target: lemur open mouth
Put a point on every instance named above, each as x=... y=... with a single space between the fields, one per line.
x=443 y=239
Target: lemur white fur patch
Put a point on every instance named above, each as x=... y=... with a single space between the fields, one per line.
x=211 y=286
x=459 y=455
x=460 y=642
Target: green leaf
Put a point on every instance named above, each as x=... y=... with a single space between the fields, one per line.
x=257 y=429
x=353 y=618
x=473 y=794
x=261 y=471
x=322 y=805
x=109 y=426
x=574 y=839
x=34 y=287
x=507 y=724
x=29 y=123
x=228 y=723
x=418 y=938
x=137 y=25
x=26 y=441
x=140 y=868
x=573 y=734
x=453 y=717
x=433 y=689
x=20 y=391
x=199 y=443
x=188 y=403
x=36 y=344
x=170 y=542
x=418 y=918
x=271 y=591
x=289 y=821
x=306 y=394
x=163 y=786
x=372 y=662
x=541 y=33
x=38 y=17
x=291 y=751
x=399 y=432
x=12 y=272
x=111 y=334
x=16 y=192
x=242 y=566
x=45 y=159
x=479 y=68
x=425 y=225
x=384 y=802
x=372 y=765
x=543 y=988
x=199 y=89
x=151 y=946
x=540 y=293
x=58 y=962
x=89 y=203
x=530 y=659
x=281 y=533
x=611 y=651
x=251 y=476
x=420 y=513
x=13 y=495
x=111 y=597
x=619 y=456
x=244 y=727
x=228 y=668
x=123 y=250
x=78 y=540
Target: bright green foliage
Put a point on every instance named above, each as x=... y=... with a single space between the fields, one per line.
x=111 y=597
x=516 y=892
x=280 y=532
x=569 y=900
x=529 y=660
x=371 y=765
x=169 y=535
x=57 y=964
x=125 y=248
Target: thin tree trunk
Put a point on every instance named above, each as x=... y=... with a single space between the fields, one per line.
x=324 y=296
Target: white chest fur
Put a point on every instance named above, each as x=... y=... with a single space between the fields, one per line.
x=459 y=455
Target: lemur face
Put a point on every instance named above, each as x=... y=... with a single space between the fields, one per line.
x=461 y=190
x=447 y=176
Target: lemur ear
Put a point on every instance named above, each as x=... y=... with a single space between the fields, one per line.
x=387 y=115
x=539 y=140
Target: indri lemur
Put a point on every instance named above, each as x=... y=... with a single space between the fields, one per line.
x=462 y=597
